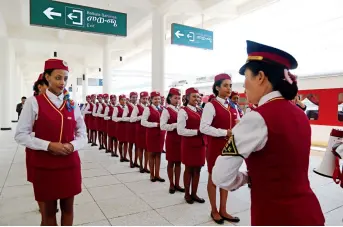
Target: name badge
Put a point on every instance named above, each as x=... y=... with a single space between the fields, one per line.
x=69 y=118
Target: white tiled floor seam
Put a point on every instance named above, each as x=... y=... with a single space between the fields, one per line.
x=143 y=201
x=98 y=207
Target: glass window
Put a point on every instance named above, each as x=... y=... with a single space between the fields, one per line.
x=312 y=105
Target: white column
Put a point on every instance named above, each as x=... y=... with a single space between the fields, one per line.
x=157 y=52
x=16 y=87
x=106 y=70
x=5 y=88
x=84 y=86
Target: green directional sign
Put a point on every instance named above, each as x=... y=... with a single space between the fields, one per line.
x=75 y=17
x=192 y=37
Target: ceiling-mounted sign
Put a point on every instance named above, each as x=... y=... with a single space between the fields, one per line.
x=75 y=17
x=192 y=37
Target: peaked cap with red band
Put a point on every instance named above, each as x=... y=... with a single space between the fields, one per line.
x=56 y=64
x=93 y=96
x=133 y=93
x=174 y=91
x=100 y=96
x=155 y=93
x=113 y=96
x=88 y=97
x=105 y=96
x=122 y=96
x=144 y=94
x=191 y=90
x=261 y=52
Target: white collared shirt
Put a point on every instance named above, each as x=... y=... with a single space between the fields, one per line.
x=145 y=117
x=165 y=117
x=29 y=115
x=182 y=118
x=251 y=135
x=207 y=118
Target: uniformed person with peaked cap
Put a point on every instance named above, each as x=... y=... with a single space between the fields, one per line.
x=268 y=138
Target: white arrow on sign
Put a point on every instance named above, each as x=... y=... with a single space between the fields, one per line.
x=48 y=13
x=71 y=17
x=179 y=34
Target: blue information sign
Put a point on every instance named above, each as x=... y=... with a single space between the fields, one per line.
x=192 y=37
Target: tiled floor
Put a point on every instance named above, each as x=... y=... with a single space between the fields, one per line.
x=114 y=194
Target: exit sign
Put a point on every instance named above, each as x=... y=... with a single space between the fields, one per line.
x=192 y=37
x=75 y=17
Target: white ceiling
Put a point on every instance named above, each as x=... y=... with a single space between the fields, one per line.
x=33 y=44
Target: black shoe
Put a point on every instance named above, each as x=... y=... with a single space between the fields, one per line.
x=172 y=190
x=197 y=199
x=121 y=160
x=220 y=221
x=126 y=160
x=153 y=179
x=146 y=171
x=179 y=189
x=141 y=171
x=189 y=200
x=137 y=166
x=159 y=179
x=132 y=165
x=234 y=219
x=94 y=144
x=108 y=151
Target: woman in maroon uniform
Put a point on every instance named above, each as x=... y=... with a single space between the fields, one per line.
x=154 y=135
x=131 y=129
x=173 y=140
x=111 y=128
x=87 y=113
x=218 y=118
x=92 y=120
x=99 y=111
x=275 y=141
x=141 y=131
x=59 y=132
x=103 y=126
x=193 y=144
x=119 y=113
x=234 y=97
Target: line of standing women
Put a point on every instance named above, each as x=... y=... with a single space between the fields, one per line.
x=191 y=136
